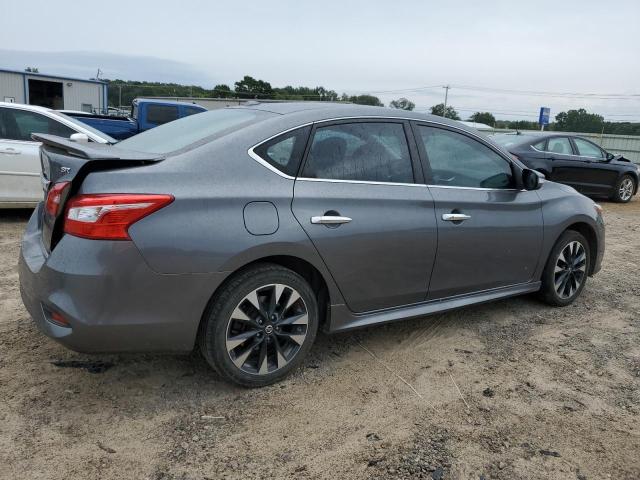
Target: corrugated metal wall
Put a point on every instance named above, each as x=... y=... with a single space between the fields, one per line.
x=12 y=86
x=75 y=92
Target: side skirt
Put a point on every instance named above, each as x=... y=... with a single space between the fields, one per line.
x=342 y=319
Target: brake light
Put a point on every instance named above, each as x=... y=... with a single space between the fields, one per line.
x=109 y=216
x=54 y=198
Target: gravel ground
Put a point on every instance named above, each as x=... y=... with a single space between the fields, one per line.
x=513 y=389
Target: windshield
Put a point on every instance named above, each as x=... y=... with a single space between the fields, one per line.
x=192 y=130
x=96 y=132
x=507 y=140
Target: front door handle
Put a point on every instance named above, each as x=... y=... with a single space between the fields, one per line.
x=329 y=220
x=9 y=151
x=455 y=217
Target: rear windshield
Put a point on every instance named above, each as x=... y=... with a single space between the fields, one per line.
x=191 y=131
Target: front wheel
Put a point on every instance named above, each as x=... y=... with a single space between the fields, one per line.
x=260 y=326
x=624 y=189
x=566 y=271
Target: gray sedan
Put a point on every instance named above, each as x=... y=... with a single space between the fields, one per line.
x=246 y=230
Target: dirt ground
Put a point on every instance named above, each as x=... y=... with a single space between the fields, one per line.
x=508 y=390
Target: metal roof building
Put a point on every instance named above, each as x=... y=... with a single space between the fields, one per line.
x=53 y=91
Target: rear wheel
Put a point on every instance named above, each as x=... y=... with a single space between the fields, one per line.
x=260 y=326
x=624 y=189
x=566 y=271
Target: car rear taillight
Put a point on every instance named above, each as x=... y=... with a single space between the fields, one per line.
x=109 y=216
x=54 y=198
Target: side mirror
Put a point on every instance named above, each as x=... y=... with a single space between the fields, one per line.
x=530 y=179
x=610 y=156
x=79 y=138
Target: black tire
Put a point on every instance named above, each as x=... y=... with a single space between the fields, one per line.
x=552 y=291
x=219 y=330
x=621 y=192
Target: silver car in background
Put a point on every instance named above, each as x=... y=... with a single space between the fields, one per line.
x=247 y=229
x=20 y=155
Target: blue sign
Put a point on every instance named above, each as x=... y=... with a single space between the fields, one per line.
x=544 y=116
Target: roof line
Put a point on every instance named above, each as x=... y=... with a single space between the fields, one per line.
x=38 y=74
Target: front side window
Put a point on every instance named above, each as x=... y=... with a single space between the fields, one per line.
x=540 y=145
x=364 y=151
x=20 y=124
x=285 y=151
x=460 y=161
x=161 y=114
x=559 y=145
x=588 y=149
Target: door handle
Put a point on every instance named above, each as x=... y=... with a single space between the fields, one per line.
x=9 y=151
x=455 y=217
x=329 y=220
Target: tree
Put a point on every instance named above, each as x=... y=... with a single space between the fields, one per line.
x=403 y=104
x=439 y=110
x=222 y=91
x=579 y=121
x=249 y=87
x=362 y=100
x=483 y=117
x=305 y=93
x=31 y=69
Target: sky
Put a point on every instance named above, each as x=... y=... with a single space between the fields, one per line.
x=489 y=52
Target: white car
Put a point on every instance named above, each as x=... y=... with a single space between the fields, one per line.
x=20 y=184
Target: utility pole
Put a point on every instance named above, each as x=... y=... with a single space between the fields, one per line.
x=446 y=95
x=120 y=96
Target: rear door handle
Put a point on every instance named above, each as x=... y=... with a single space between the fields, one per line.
x=455 y=217
x=9 y=151
x=329 y=220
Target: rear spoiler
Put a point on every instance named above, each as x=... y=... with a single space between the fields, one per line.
x=93 y=151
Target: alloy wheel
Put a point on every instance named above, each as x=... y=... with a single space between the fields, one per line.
x=626 y=189
x=267 y=329
x=570 y=269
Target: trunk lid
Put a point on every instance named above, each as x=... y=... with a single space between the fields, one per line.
x=65 y=161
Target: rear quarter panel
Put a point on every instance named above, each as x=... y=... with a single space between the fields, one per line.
x=203 y=230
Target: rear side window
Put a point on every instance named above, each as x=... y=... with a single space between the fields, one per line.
x=161 y=114
x=559 y=145
x=366 y=151
x=285 y=151
x=460 y=161
x=20 y=124
x=587 y=149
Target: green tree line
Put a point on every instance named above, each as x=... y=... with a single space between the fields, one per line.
x=123 y=92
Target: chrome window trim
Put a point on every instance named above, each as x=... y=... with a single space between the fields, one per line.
x=483 y=189
x=251 y=152
x=363 y=182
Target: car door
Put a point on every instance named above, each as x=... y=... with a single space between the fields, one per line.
x=566 y=166
x=489 y=232
x=361 y=200
x=20 y=155
x=599 y=176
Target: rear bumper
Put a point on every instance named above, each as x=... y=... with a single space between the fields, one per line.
x=112 y=300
